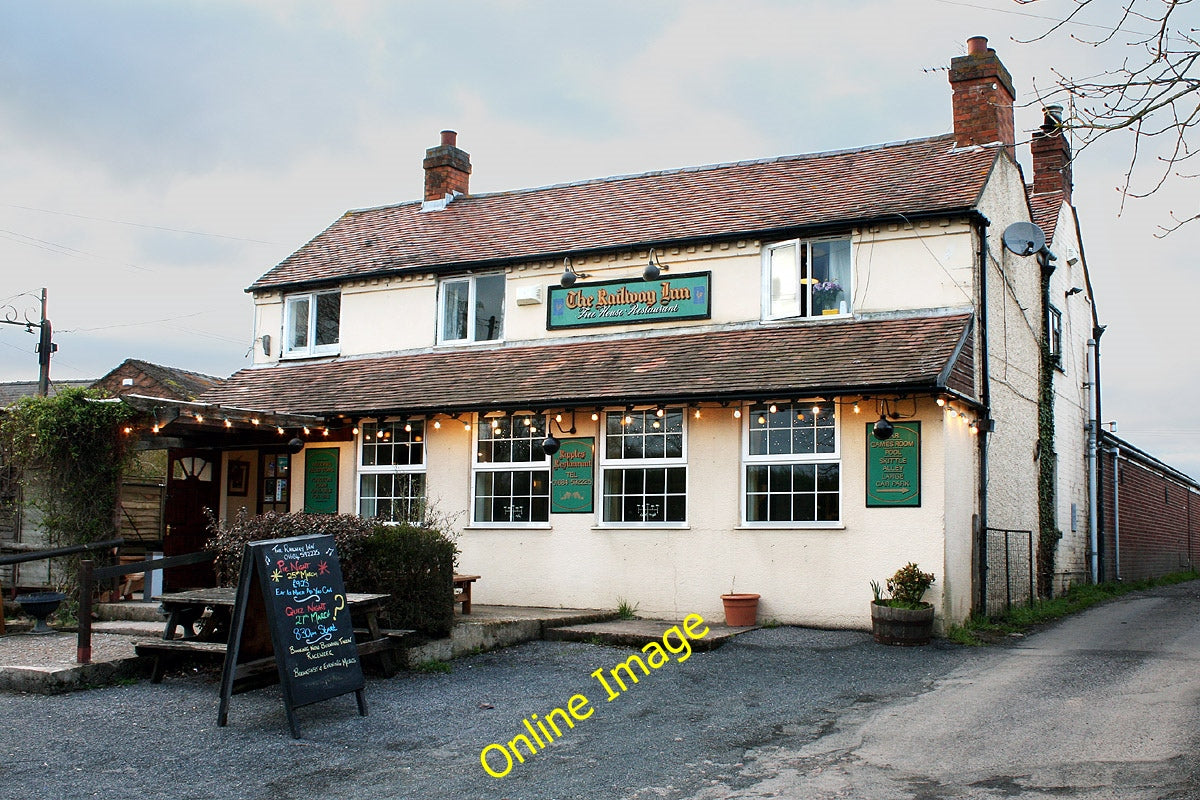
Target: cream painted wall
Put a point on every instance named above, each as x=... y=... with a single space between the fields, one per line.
x=896 y=267
x=1014 y=320
x=1071 y=412
x=815 y=577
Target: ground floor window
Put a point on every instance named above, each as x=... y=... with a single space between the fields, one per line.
x=391 y=470
x=645 y=467
x=512 y=471
x=792 y=465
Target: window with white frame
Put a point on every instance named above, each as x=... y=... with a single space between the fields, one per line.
x=645 y=467
x=391 y=470
x=806 y=278
x=1054 y=336
x=792 y=464
x=512 y=471
x=311 y=323
x=471 y=309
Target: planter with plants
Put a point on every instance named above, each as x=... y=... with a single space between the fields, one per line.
x=903 y=618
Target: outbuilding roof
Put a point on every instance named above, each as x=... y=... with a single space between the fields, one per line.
x=749 y=198
x=844 y=357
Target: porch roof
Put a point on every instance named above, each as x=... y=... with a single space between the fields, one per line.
x=916 y=354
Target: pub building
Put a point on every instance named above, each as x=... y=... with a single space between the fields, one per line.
x=788 y=376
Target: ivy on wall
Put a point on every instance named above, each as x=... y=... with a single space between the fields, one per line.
x=1048 y=532
x=69 y=451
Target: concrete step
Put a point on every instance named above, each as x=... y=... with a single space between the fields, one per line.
x=130 y=610
x=129 y=627
x=639 y=632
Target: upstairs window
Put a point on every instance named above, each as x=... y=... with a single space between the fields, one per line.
x=806 y=278
x=311 y=324
x=1054 y=336
x=471 y=309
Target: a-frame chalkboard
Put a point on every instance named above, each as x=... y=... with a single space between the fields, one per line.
x=293 y=589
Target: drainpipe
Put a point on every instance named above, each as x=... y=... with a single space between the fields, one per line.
x=1093 y=431
x=985 y=398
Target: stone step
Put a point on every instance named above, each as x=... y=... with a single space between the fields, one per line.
x=639 y=632
x=130 y=627
x=130 y=610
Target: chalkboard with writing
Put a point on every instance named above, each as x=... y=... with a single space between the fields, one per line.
x=294 y=588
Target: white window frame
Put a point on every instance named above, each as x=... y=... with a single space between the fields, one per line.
x=791 y=459
x=312 y=348
x=510 y=466
x=614 y=463
x=394 y=426
x=1054 y=336
x=803 y=282
x=472 y=302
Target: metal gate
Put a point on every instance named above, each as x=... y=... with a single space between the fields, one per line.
x=1010 y=578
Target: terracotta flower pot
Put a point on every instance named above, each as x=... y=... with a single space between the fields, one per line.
x=902 y=626
x=741 y=610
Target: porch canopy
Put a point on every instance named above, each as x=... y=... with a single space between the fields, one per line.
x=886 y=356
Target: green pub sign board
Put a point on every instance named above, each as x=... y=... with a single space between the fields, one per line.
x=669 y=299
x=321 y=480
x=571 y=476
x=894 y=466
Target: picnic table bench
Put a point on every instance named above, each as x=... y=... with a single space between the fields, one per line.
x=198 y=624
x=462 y=590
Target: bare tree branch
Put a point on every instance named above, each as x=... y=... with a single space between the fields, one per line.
x=1153 y=95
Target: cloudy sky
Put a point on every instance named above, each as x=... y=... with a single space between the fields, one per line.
x=155 y=158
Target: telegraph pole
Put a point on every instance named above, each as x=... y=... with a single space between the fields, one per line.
x=46 y=346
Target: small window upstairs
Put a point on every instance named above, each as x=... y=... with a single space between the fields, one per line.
x=312 y=324
x=471 y=309
x=806 y=278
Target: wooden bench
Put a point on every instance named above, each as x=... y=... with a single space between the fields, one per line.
x=462 y=591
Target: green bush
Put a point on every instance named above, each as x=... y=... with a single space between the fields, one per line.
x=229 y=541
x=413 y=564
x=907 y=586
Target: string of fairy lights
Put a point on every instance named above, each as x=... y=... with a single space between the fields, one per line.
x=887 y=407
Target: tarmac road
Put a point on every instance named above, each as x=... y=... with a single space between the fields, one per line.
x=1107 y=699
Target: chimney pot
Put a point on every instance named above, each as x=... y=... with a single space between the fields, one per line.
x=977 y=45
x=447 y=168
x=449 y=138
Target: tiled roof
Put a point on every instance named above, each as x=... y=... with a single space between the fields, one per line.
x=1045 y=207
x=819 y=358
x=741 y=199
x=14 y=391
x=180 y=384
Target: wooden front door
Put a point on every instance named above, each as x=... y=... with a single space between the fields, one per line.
x=193 y=484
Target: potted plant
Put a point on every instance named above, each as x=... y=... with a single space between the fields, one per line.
x=903 y=618
x=825 y=296
x=741 y=609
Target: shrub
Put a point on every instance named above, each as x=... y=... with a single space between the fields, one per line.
x=413 y=564
x=907 y=587
x=228 y=542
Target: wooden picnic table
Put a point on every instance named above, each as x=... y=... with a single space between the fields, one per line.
x=202 y=616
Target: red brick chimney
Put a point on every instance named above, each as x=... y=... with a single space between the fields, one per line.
x=447 y=169
x=1051 y=155
x=983 y=97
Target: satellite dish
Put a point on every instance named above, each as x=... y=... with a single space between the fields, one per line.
x=1024 y=238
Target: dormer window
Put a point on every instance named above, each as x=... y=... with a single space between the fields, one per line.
x=806 y=278
x=471 y=309
x=311 y=324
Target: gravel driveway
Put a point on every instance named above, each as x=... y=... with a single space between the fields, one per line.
x=683 y=727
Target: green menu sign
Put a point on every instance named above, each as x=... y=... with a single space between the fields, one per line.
x=668 y=299
x=571 y=476
x=894 y=466
x=321 y=480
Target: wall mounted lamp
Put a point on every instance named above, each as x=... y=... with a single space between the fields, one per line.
x=1074 y=290
x=569 y=275
x=654 y=267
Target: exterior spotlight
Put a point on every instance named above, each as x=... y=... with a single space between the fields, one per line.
x=883 y=428
x=654 y=267
x=295 y=445
x=550 y=444
x=569 y=275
